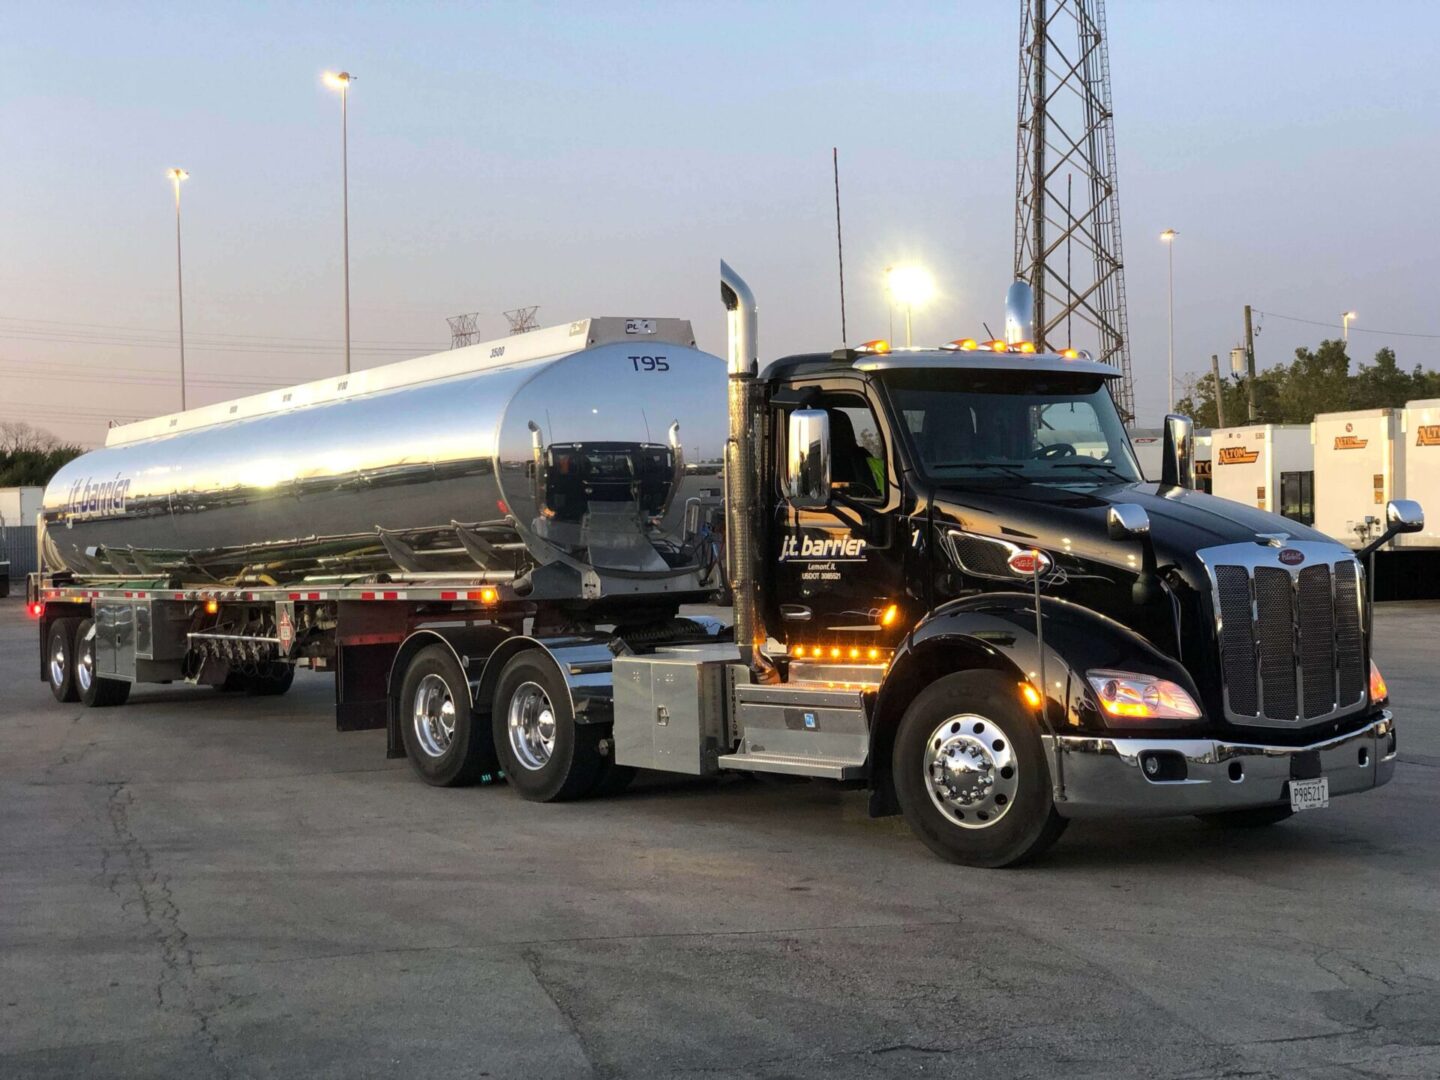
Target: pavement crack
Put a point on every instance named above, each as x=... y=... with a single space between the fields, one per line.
x=130 y=874
x=532 y=960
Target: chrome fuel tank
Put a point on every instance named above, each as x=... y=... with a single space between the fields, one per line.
x=436 y=465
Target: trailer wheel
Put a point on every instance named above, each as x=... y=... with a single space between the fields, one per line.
x=60 y=659
x=271 y=682
x=970 y=772
x=1253 y=817
x=96 y=691
x=547 y=757
x=447 y=744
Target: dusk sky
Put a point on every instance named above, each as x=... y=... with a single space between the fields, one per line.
x=602 y=158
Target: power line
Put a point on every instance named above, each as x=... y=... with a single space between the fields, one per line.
x=1354 y=329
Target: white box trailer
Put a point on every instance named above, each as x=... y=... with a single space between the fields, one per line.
x=18 y=509
x=1420 y=434
x=1149 y=442
x=1267 y=466
x=1359 y=467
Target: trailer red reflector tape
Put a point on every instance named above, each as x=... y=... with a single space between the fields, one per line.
x=312 y=596
x=367 y=596
x=390 y=596
x=293 y=595
x=449 y=596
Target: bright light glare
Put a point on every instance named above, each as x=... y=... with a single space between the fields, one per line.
x=337 y=80
x=911 y=285
x=1168 y=235
x=177 y=175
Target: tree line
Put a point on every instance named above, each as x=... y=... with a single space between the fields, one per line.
x=1316 y=381
x=31 y=456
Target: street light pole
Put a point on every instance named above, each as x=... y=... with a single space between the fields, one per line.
x=341 y=81
x=1345 y=325
x=1168 y=236
x=177 y=175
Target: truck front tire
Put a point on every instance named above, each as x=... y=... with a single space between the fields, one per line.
x=546 y=755
x=96 y=691
x=447 y=744
x=970 y=772
x=60 y=660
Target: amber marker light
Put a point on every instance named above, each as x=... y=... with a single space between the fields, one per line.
x=1378 y=690
x=1025 y=347
x=212 y=607
x=889 y=616
x=1070 y=354
x=879 y=346
x=1030 y=694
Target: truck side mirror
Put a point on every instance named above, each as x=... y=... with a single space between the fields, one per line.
x=1404 y=515
x=807 y=481
x=1177 y=462
x=1126 y=521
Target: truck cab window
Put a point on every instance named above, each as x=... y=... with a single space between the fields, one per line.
x=857 y=452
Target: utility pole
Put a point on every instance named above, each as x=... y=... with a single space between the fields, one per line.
x=1249 y=366
x=1219 y=390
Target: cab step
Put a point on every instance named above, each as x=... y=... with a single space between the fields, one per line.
x=800 y=731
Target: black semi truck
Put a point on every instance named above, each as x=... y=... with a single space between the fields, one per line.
x=950 y=583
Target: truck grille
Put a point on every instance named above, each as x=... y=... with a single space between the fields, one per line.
x=1291 y=641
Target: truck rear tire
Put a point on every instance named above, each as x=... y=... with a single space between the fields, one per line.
x=96 y=691
x=60 y=660
x=447 y=744
x=971 y=775
x=547 y=757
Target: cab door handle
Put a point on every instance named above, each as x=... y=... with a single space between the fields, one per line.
x=795 y=612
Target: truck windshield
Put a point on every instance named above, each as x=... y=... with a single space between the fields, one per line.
x=991 y=426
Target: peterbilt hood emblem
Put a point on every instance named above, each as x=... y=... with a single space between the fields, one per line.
x=1292 y=556
x=1028 y=563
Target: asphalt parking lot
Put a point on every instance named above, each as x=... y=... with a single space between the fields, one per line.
x=202 y=885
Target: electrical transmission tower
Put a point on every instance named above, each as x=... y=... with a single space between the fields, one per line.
x=1067 y=240
x=523 y=319
x=462 y=330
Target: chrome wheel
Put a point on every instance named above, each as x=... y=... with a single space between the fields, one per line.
x=971 y=771
x=84 y=667
x=434 y=715
x=530 y=721
x=57 y=666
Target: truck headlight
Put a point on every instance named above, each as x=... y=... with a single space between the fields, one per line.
x=1379 y=692
x=1133 y=696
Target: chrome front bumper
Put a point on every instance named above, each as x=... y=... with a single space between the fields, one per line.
x=1107 y=777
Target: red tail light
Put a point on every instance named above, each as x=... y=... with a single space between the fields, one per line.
x=37 y=609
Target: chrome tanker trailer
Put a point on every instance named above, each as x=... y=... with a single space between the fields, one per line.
x=950 y=582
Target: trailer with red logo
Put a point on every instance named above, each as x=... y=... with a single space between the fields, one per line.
x=1267 y=466
x=1359 y=467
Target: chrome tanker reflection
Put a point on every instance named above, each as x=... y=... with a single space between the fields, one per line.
x=562 y=450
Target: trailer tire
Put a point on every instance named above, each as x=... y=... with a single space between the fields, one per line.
x=60 y=660
x=546 y=755
x=447 y=744
x=970 y=772
x=96 y=691
x=1252 y=817
x=272 y=683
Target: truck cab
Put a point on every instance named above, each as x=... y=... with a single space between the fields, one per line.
x=964 y=537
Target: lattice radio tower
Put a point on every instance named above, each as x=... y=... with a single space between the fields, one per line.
x=1067 y=209
x=522 y=320
x=462 y=330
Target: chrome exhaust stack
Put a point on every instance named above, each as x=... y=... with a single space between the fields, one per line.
x=742 y=472
x=1020 y=314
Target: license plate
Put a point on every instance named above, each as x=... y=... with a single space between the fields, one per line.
x=1310 y=794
